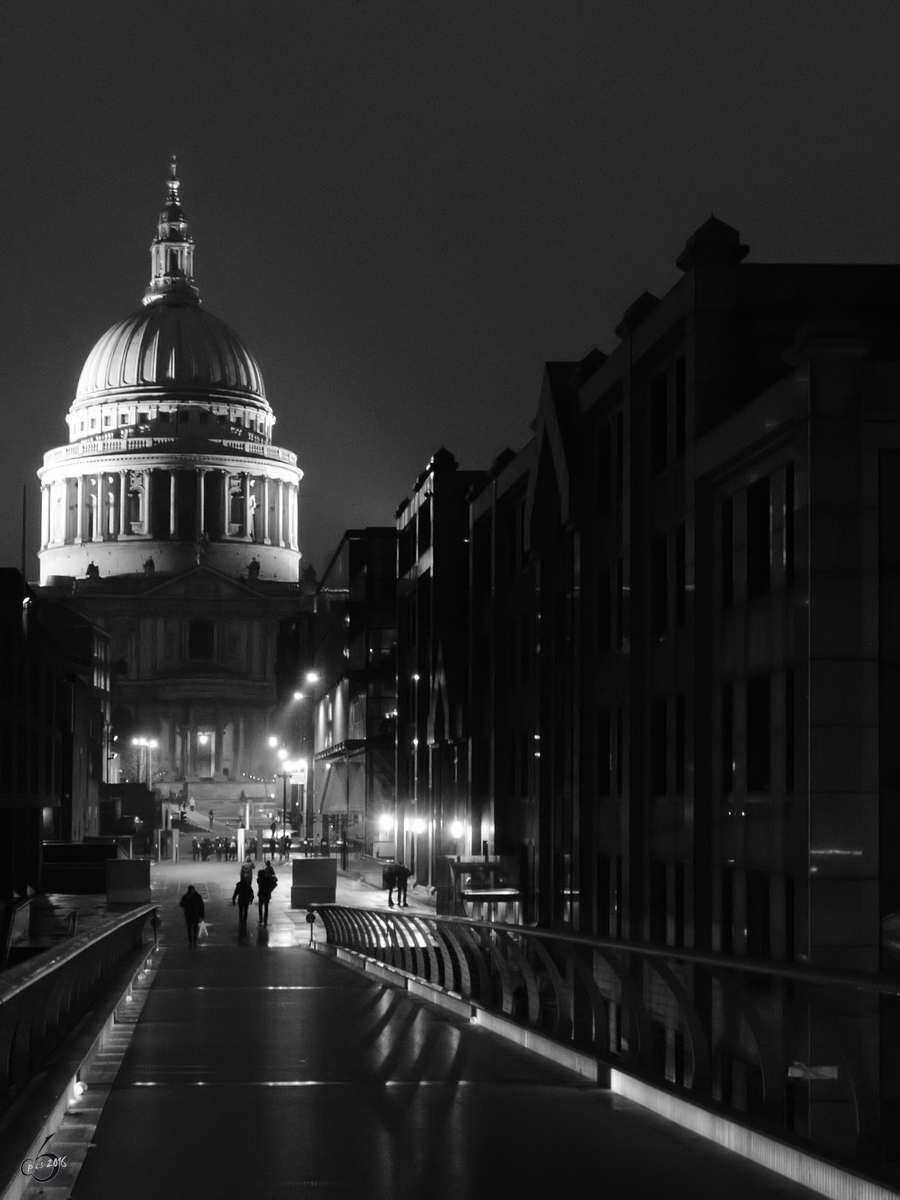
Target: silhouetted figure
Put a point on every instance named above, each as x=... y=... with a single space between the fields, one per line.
x=195 y=850
x=93 y=571
x=403 y=874
x=266 y=882
x=243 y=895
x=211 y=815
x=390 y=878
x=192 y=903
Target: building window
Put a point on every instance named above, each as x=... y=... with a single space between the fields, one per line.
x=604 y=613
x=758 y=917
x=789 y=731
x=659 y=745
x=604 y=465
x=726 y=546
x=759 y=538
x=680 y=408
x=659 y=585
x=789 y=524
x=659 y=424
x=726 y=737
x=680 y=575
x=201 y=638
x=758 y=734
x=604 y=753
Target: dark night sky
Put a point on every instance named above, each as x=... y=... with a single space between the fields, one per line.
x=404 y=208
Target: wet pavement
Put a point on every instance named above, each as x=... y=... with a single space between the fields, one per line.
x=259 y=1067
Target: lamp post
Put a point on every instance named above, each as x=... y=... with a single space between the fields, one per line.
x=285 y=772
x=148 y=744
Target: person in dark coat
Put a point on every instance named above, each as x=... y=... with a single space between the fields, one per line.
x=192 y=903
x=390 y=878
x=402 y=878
x=243 y=895
x=266 y=882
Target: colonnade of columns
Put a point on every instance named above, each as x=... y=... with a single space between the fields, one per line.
x=152 y=504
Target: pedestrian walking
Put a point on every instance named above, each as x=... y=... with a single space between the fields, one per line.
x=402 y=878
x=232 y=849
x=266 y=882
x=243 y=895
x=195 y=849
x=192 y=903
x=390 y=878
x=211 y=815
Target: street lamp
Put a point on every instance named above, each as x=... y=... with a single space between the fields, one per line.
x=150 y=745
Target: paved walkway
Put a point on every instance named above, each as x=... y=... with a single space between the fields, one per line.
x=261 y=1068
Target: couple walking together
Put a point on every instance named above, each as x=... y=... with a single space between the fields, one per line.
x=266 y=882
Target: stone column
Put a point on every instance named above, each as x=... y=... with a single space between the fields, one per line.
x=45 y=516
x=226 y=503
x=201 y=501
x=248 y=516
x=147 y=504
x=123 y=504
x=97 y=532
x=265 y=507
x=79 y=510
x=280 y=512
x=172 y=521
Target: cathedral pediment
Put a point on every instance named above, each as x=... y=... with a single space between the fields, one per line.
x=202 y=583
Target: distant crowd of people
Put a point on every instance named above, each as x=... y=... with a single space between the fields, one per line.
x=224 y=848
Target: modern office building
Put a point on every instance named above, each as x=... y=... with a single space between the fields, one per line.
x=433 y=734
x=354 y=691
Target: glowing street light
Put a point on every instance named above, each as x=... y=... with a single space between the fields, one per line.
x=148 y=744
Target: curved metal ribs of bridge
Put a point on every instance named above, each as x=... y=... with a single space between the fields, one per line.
x=256 y=1062
x=256 y=1067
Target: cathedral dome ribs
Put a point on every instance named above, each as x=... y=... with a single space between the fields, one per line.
x=170 y=453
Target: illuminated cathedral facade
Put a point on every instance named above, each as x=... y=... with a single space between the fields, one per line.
x=171 y=518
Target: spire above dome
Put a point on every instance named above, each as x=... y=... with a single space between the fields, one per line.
x=172 y=253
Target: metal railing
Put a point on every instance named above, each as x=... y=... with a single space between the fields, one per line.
x=785 y=1048
x=43 y=998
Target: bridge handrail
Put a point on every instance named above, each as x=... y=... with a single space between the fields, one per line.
x=798 y=973
x=42 y=998
x=724 y=1031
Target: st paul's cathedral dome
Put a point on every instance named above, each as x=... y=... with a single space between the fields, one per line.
x=170 y=458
